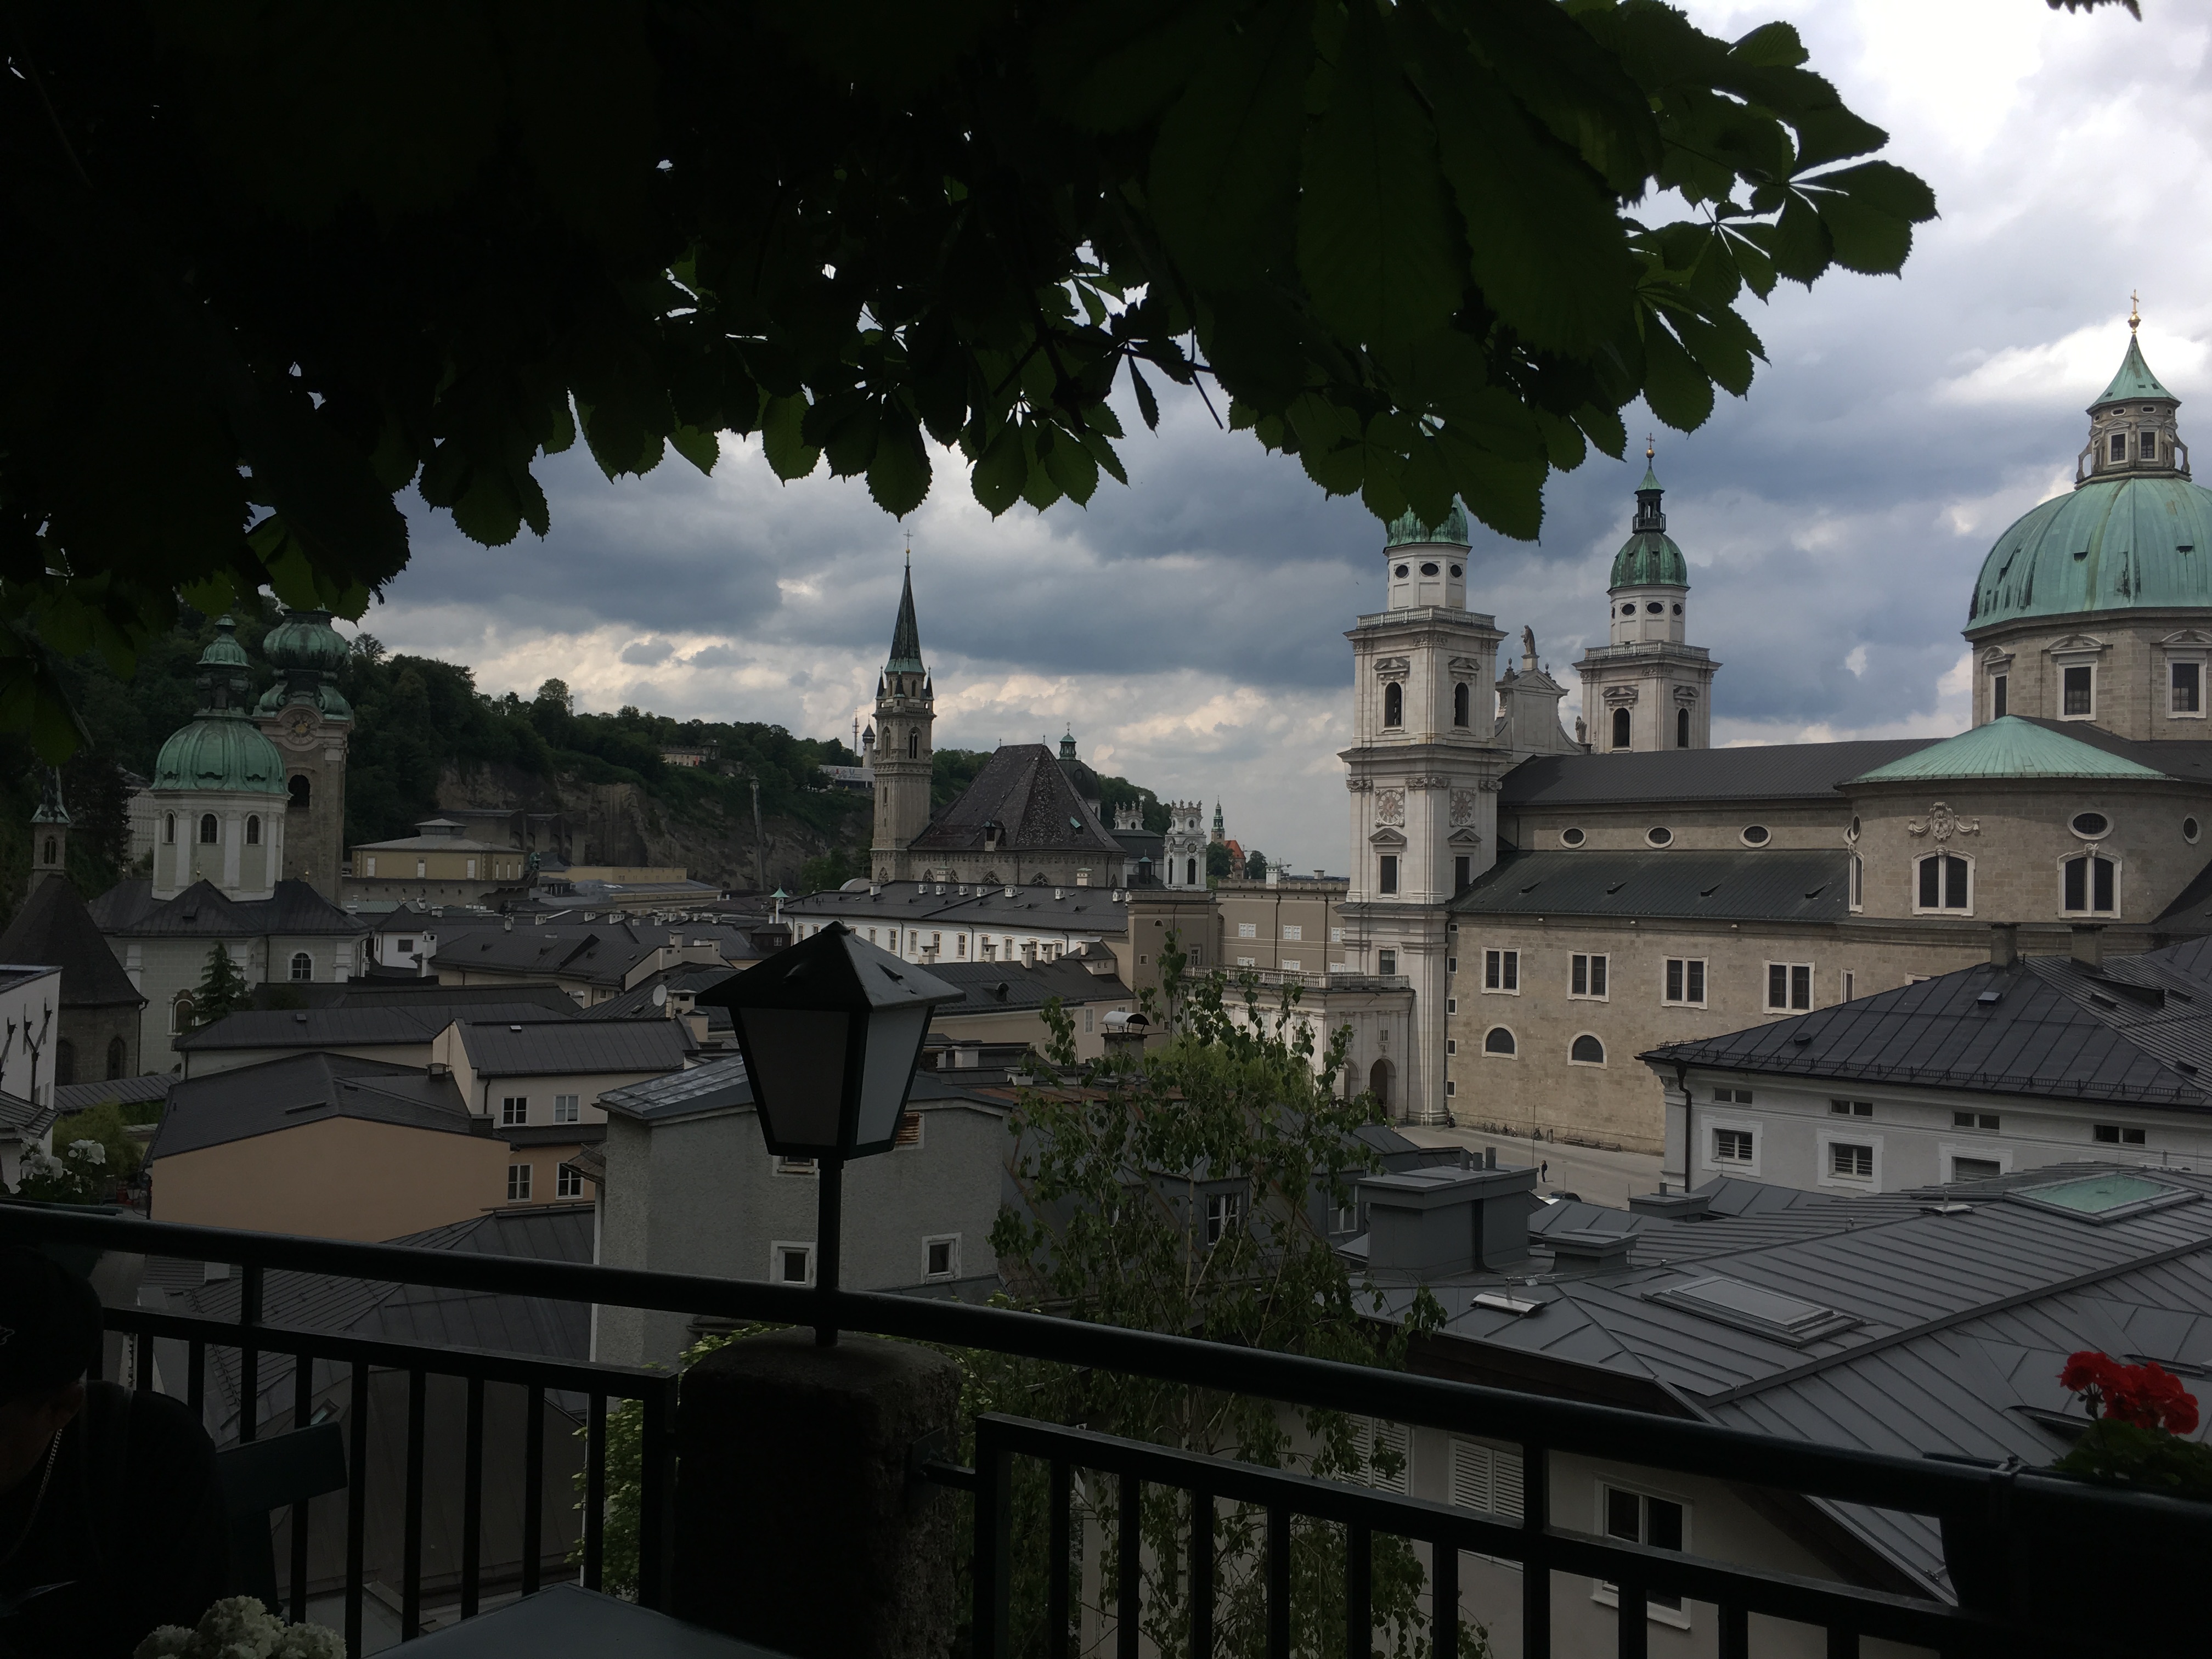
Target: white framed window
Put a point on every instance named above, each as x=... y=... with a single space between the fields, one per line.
x=1586 y=1051
x=2089 y=885
x=1498 y=1043
x=1586 y=977
x=1451 y=1045
x=1451 y=1004
x=422 y=868
x=1789 y=987
x=1336 y=936
x=1643 y=1517
x=1734 y=1146
x=1344 y=1219
x=1451 y=1087
x=303 y=966
x=180 y=1013
x=567 y=1181
x=1848 y=980
x=514 y=1111
x=1388 y=874
x=2184 y=688
x=1999 y=687
x=1732 y=1097
x=568 y=1108
x=1943 y=884
x=1685 y=982
x=1975 y=1121
x=1223 y=1211
x=1292 y=965
x=790 y=1262
x=1857 y=882
x=2116 y=1134
x=1247 y=962
x=2077 y=692
x=518 y=1182
x=1294 y=933
x=1248 y=930
x=1386 y=1454
x=1501 y=972
x=471 y=874
x=1850 y=1108
x=370 y=860
x=940 y=1257
x=1386 y=963
x=1974 y=1163
x=1850 y=1158
x=1488 y=1479
x=804 y=1167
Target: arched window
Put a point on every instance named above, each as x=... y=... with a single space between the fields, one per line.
x=303 y=965
x=299 y=789
x=65 y=1061
x=1378 y=1082
x=210 y=831
x=169 y=828
x=1498 y=1042
x=1587 y=1050
x=1190 y=872
x=1393 y=704
x=117 y=1057
x=254 y=828
x=1942 y=881
x=181 y=1014
x=1620 y=728
x=2091 y=886
x=53 y=851
x=914 y=743
x=1459 y=703
x=1681 y=728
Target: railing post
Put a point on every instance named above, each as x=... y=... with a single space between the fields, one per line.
x=1535 y=1563
x=1279 y=1581
x=1358 y=1592
x=655 y=1493
x=1443 y=1599
x=533 y=1488
x=472 y=1499
x=1129 y=1562
x=1059 y=1546
x=1201 y=1575
x=249 y=1355
x=356 y=1504
x=993 y=1561
x=411 y=1558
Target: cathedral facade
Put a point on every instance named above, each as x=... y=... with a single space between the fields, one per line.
x=1645 y=889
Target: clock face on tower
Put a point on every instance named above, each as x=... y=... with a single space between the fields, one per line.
x=299 y=723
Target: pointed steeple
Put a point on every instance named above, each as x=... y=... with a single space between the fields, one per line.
x=1648 y=513
x=906 y=636
x=2134 y=379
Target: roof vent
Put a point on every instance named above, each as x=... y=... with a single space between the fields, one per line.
x=299 y=1019
x=1990 y=999
x=1947 y=1207
x=1589 y=1247
x=1679 y=1206
x=515 y=1028
x=1751 y=1308
x=1497 y=1302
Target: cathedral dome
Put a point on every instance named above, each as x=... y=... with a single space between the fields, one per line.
x=305 y=639
x=2133 y=534
x=1407 y=530
x=1650 y=559
x=222 y=753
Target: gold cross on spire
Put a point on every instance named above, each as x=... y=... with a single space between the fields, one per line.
x=2134 y=311
x=1649 y=449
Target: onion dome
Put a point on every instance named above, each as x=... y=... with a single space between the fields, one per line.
x=307 y=653
x=1407 y=529
x=222 y=750
x=2133 y=534
x=1648 y=558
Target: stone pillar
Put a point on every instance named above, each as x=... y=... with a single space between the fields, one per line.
x=799 y=1525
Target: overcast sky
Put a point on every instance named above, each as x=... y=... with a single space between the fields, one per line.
x=1190 y=627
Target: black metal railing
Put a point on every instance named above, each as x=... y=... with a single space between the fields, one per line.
x=1989 y=1502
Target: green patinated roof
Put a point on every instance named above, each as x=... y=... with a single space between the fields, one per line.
x=1650 y=559
x=2117 y=543
x=2135 y=379
x=1407 y=529
x=906 y=635
x=2008 y=748
x=223 y=753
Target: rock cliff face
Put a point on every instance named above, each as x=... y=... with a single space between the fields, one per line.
x=621 y=823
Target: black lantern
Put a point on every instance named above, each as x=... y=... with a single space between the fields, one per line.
x=831 y=1030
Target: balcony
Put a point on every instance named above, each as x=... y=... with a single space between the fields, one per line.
x=2003 y=1520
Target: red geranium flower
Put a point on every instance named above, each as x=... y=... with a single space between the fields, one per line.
x=2145 y=1395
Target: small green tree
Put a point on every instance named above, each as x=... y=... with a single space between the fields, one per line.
x=1185 y=1192
x=104 y=1125
x=1256 y=865
x=831 y=871
x=222 y=989
x=1220 y=863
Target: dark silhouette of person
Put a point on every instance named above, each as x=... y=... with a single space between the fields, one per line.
x=110 y=1519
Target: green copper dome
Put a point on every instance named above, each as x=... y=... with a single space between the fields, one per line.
x=2133 y=381
x=1407 y=529
x=2114 y=544
x=305 y=639
x=1648 y=558
x=222 y=750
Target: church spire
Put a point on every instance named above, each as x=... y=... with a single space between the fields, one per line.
x=905 y=635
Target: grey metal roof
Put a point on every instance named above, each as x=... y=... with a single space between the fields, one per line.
x=998 y=987
x=24 y=1120
x=77 y=1097
x=718 y=1086
x=943 y=904
x=282 y=1094
x=2138 y=1031
x=601 y=954
x=52 y=926
x=407 y=990
x=1785 y=771
x=637 y=1002
x=1776 y=884
x=1022 y=790
x=201 y=911
x=1958 y=1322
x=347 y=1027
x=526 y=1048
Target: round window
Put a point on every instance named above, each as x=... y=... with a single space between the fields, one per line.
x=1659 y=836
x=1855 y=828
x=1654 y=607
x=2089 y=825
x=1678 y=609
x=1574 y=837
x=1404 y=569
x=1628 y=610
x=2188 y=830
x=1429 y=569
x=1455 y=570
x=1756 y=835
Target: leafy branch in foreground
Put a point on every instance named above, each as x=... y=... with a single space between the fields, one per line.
x=347 y=250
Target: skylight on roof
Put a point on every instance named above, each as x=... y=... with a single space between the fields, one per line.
x=1750 y=1308
x=2101 y=1200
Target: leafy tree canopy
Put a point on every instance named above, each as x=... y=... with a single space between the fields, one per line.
x=308 y=255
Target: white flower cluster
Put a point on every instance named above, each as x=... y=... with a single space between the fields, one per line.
x=37 y=1161
x=239 y=1627
x=90 y=1150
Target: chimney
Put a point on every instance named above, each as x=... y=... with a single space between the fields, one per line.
x=1275 y=875
x=2089 y=944
x=2004 y=943
x=1435 y=1222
